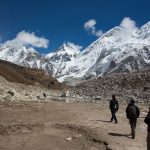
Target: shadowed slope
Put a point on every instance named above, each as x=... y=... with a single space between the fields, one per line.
x=19 y=74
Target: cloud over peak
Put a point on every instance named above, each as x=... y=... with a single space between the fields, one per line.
x=90 y=27
x=24 y=38
x=128 y=24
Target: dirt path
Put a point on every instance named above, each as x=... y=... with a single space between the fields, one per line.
x=66 y=126
x=97 y=117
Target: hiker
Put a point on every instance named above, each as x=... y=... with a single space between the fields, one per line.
x=147 y=121
x=132 y=113
x=114 y=106
x=44 y=95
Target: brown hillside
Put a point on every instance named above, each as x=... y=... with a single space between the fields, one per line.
x=19 y=74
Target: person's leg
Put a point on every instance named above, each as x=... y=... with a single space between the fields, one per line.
x=115 y=116
x=132 y=124
x=111 y=115
x=148 y=141
x=135 y=121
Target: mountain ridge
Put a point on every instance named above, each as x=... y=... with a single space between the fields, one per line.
x=118 y=50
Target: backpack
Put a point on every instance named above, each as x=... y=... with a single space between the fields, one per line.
x=147 y=119
x=131 y=112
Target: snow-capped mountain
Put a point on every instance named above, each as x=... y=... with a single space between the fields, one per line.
x=53 y=63
x=117 y=50
x=64 y=56
x=88 y=57
x=66 y=52
x=24 y=56
x=145 y=31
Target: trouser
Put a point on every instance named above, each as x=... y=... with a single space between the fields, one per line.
x=113 y=113
x=148 y=141
x=133 y=126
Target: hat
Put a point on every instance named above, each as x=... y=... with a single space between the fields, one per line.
x=132 y=101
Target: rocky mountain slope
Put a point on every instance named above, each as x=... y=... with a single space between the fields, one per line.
x=125 y=85
x=118 y=50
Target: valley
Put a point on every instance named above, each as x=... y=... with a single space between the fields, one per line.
x=60 y=100
x=67 y=126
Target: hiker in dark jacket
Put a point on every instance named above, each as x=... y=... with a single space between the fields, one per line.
x=114 y=106
x=147 y=121
x=132 y=112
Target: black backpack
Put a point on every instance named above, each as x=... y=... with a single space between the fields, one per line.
x=132 y=112
x=147 y=119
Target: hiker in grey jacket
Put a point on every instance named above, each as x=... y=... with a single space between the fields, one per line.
x=132 y=112
x=147 y=121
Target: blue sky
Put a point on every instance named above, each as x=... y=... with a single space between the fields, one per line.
x=64 y=20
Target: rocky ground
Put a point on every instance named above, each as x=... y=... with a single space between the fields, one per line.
x=125 y=85
x=17 y=91
x=67 y=126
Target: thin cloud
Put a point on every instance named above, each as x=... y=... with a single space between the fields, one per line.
x=90 y=27
x=28 y=39
x=99 y=33
x=127 y=24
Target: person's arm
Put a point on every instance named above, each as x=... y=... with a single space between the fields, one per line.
x=117 y=105
x=137 y=111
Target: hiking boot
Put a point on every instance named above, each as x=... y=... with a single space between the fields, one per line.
x=133 y=136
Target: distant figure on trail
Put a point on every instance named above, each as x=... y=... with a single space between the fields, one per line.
x=132 y=113
x=147 y=121
x=114 y=106
x=44 y=95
